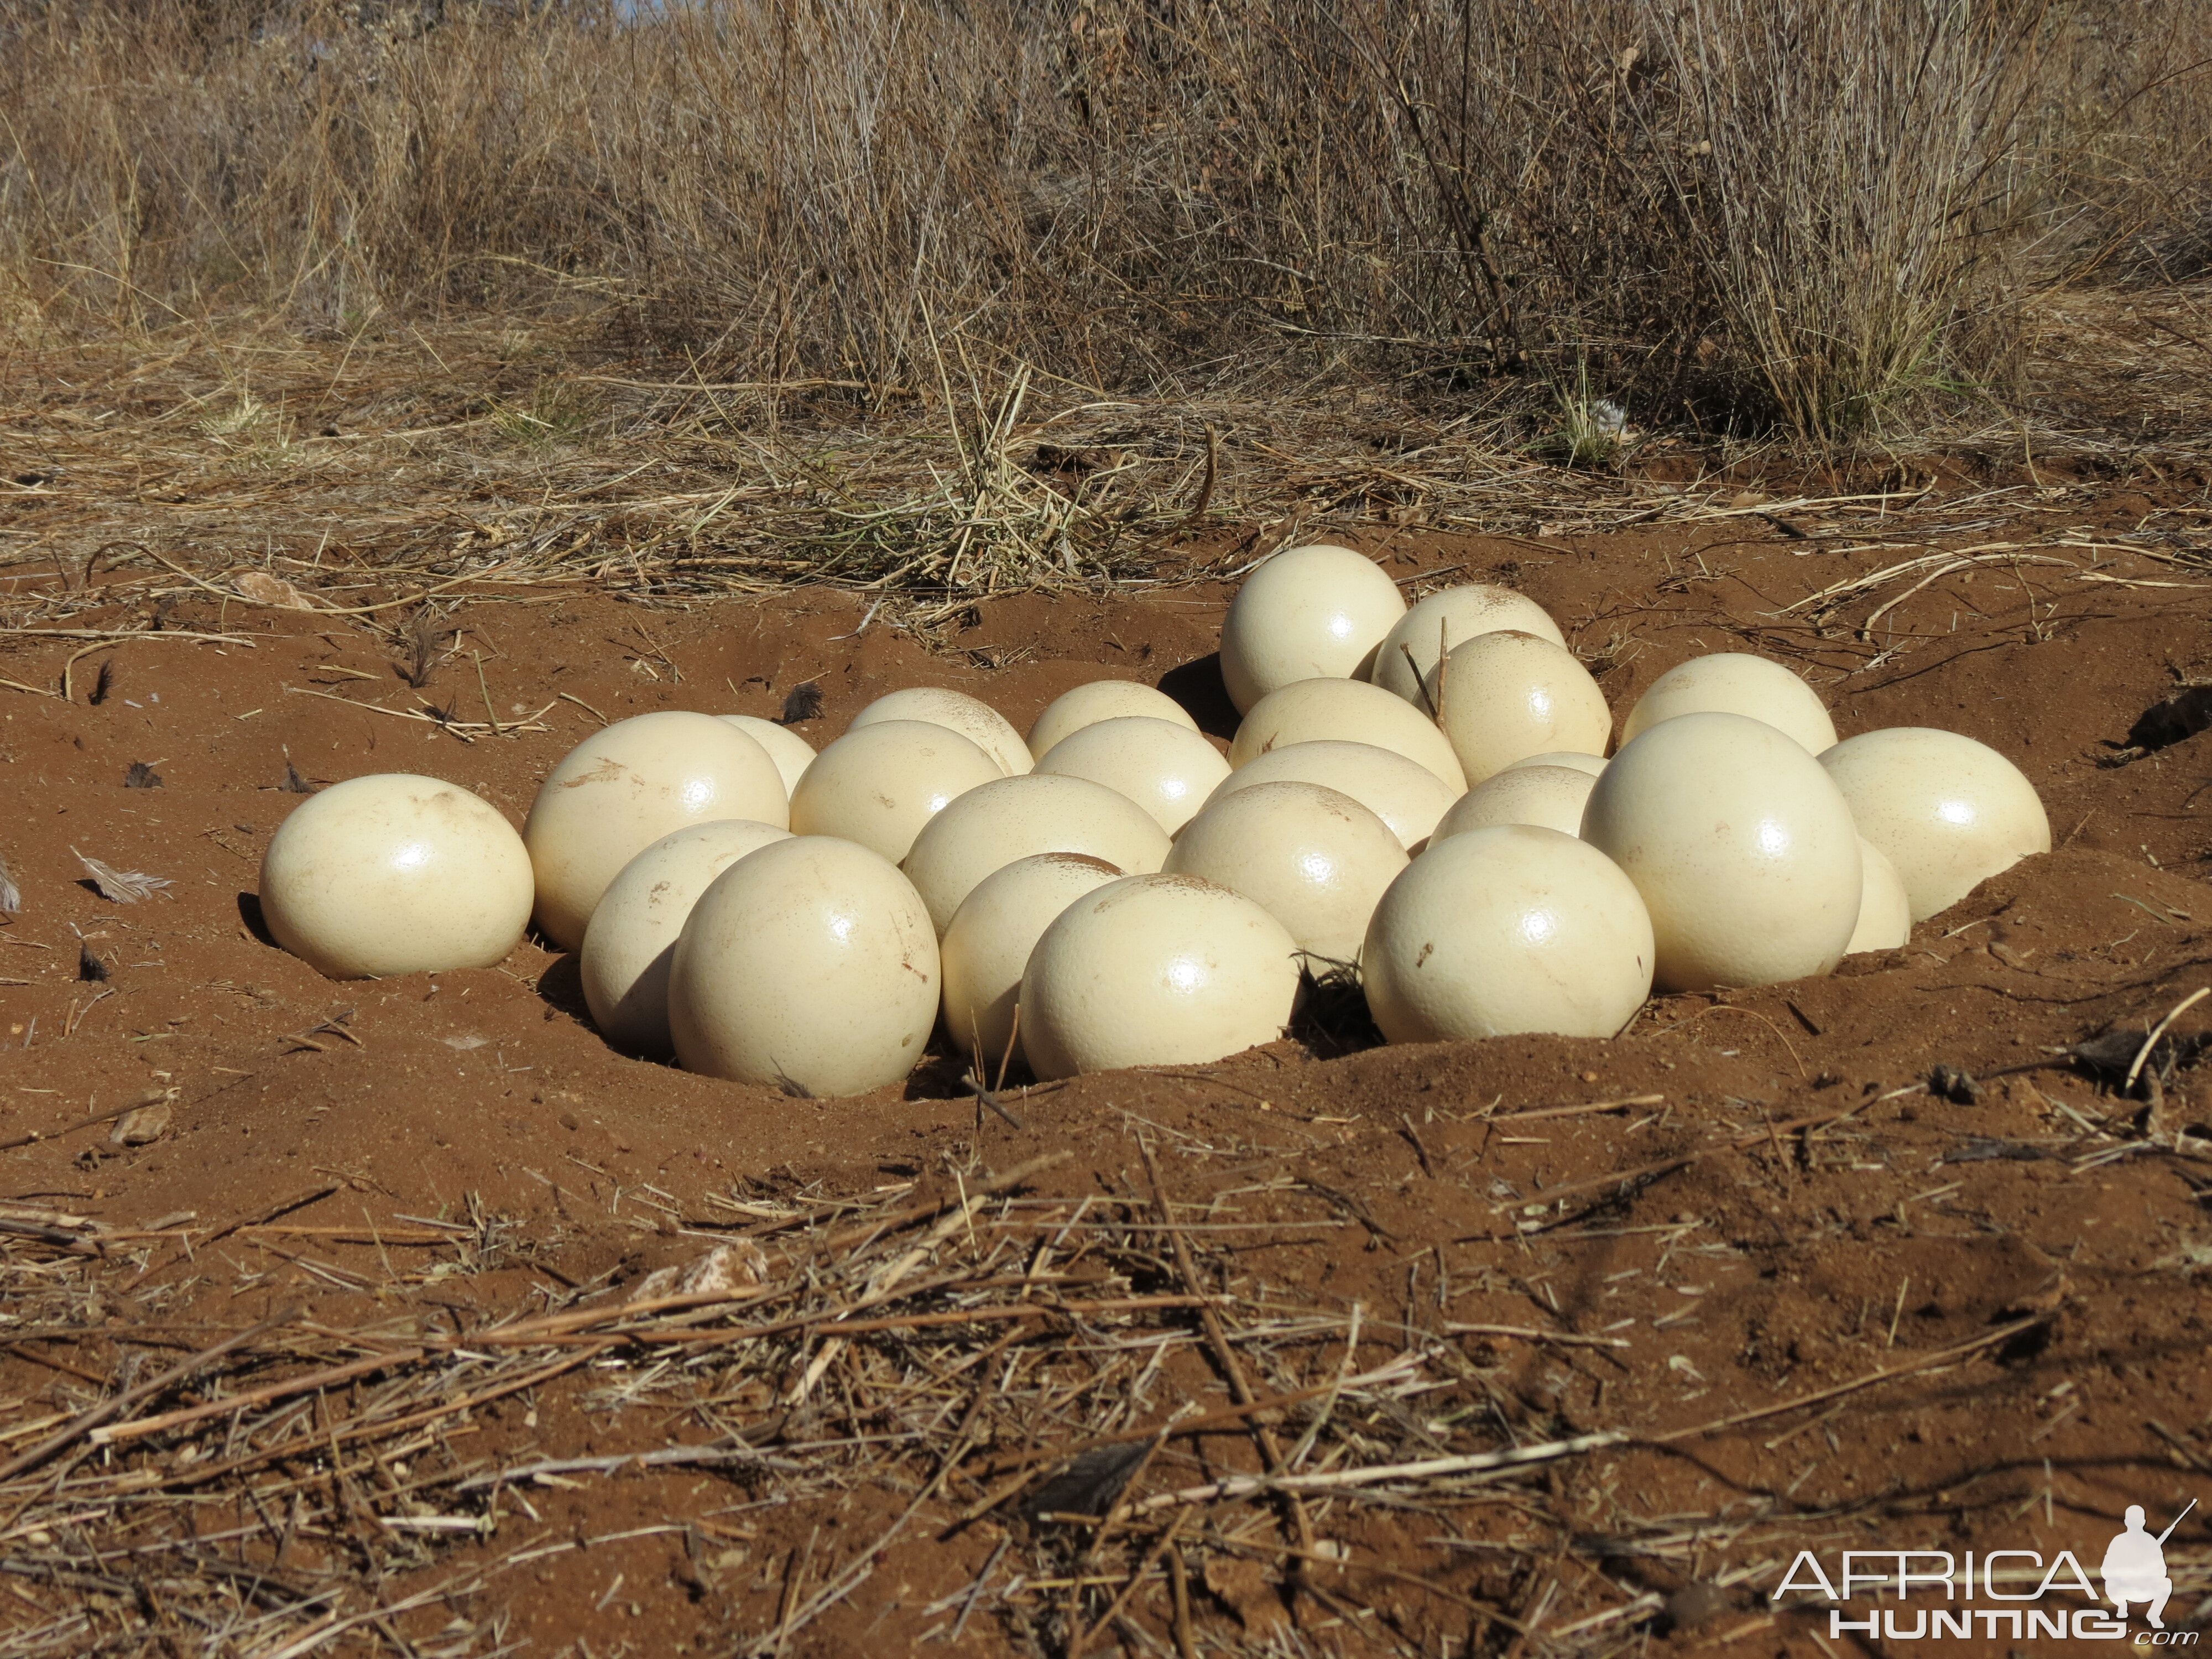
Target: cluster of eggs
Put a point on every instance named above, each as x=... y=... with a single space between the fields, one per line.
x=1420 y=793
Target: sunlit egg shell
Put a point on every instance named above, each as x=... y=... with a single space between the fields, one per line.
x=1508 y=696
x=624 y=788
x=1403 y=793
x=1735 y=683
x=987 y=948
x=1948 y=811
x=1305 y=613
x=396 y=874
x=1166 y=768
x=1348 y=711
x=1507 y=929
x=808 y=966
x=1885 y=907
x=1405 y=664
x=1550 y=797
x=1156 y=970
x=971 y=717
x=1313 y=858
x=1011 y=818
x=879 y=785
x=631 y=939
x=1102 y=700
x=1593 y=764
x=792 y=753
x=1743 y=849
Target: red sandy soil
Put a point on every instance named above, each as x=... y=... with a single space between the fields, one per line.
x=2031 y=1265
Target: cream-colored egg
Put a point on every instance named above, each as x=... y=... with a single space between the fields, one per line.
x=1166 y=768
x=632 y=937
x=1508 y=696
x=971 y=717
x=624 y=788
x=395 y=874
x=1443 y=620
x=808 y=964
x=1306 y=613
x=880 y=784
x=1156 y=970
x=792 y=753
x=1345 y=711
x=1950 y=812
x=1011 y=818
x=1403 y=793
x=1313 y=858
x=1102 y=700
x=1735 y=683
x=1743 y=848
x=1550 y=797
x=1592 y=764
x=987 y=948
x=1506 y=929
x=1885 y=907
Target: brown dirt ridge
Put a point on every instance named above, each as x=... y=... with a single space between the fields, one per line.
x=407 y=1317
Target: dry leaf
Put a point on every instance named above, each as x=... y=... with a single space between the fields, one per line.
x=263 y=588
x=120 y=886
x=1090 y=1484
x=141 y=1126
x=729 y=1270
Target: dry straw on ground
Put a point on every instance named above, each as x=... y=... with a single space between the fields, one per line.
x=975 y=1353
x=364 y=489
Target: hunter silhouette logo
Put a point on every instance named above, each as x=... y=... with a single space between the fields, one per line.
x=2135 y=1567
x=2013 y=1587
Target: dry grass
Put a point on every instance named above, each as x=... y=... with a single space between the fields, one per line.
x=934 y=1351
x=981 y=1353
x=1072 y=1389
x=1742 y=213
x=372 y=480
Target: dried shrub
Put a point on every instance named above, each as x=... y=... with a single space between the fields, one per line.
x=1755 y=212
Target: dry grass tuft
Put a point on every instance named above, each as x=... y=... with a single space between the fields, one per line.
x=1746 y=213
